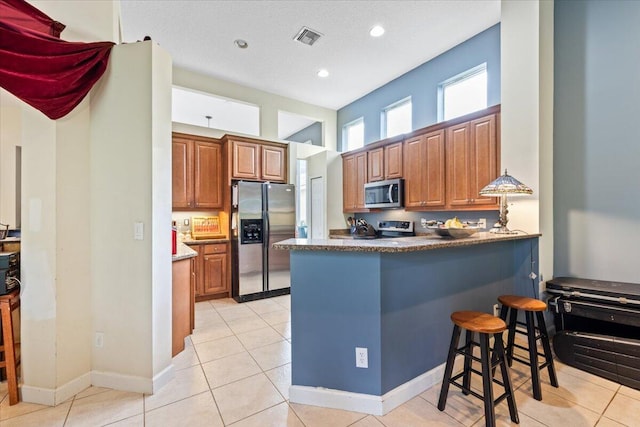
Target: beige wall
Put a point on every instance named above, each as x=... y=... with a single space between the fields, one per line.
x=10 y=138
x=130 y=182
x=527 y=116
x=86 y=179
x=269 y=104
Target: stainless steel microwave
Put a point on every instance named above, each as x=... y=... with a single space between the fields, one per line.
x=384 y=194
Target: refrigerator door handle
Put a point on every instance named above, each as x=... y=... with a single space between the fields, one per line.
x=265 y=229
x=234 y=196
x=265 y=250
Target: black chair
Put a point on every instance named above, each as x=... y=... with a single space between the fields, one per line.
x=510 y=306
x=485 y=325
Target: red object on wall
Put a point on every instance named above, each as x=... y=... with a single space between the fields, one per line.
x=47 y=73
x=21 y=13
x=174 y=241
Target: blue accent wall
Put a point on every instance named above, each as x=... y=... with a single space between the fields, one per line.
x=596 y=139
x=422 y=82
x=312 y=132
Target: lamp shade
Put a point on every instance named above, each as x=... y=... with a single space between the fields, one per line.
x=505 y=184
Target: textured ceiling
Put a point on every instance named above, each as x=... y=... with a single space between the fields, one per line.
x=199 y=36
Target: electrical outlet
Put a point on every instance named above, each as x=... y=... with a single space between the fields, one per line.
x=186 y=221
x=482 y=223
x=362 y=357
x=99 y=340
x=496 y=310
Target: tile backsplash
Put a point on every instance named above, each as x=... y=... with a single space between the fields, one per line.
x=180 y=217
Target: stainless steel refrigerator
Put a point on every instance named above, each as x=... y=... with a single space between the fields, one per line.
x=262 y=214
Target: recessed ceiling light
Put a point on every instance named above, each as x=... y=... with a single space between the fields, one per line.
x=376 y=31
x=242 y=44
x=323 y=73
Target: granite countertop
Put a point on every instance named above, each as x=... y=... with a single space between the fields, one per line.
x=400 y=244
x=183 y=252
x=205 y=241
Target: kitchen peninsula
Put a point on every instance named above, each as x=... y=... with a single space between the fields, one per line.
x=392 y=297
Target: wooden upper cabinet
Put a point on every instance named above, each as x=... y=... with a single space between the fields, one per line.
x=274 y=163
x=182 y=172
x=196 y=168
x=393 y=161
x=484 y=158
x=375 y=165
x=246 y=160
x=208 y=175
x=384 y=162
x=444 y=165
x=424 y=171
x=458 y=152
x=255 y=161
x=472 y=162
x=354 y=170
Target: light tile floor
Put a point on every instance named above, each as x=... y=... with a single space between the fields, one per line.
x=236 y=370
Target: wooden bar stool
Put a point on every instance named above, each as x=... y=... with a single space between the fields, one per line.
x=8 y=360
x=513 y=303
x=485 y=325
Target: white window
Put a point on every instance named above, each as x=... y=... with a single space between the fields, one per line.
x=396 y=118
x=463 y=94
x=202 y=109
x=353 y=135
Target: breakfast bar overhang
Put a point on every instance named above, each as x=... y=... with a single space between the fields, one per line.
x=394 y=298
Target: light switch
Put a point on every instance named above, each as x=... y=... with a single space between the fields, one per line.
x=138 y=231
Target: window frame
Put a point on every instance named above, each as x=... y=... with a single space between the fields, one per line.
x=345 y=134
x=384 y=115
x=458 y=78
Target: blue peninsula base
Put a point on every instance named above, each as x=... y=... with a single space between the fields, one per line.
x=397 y=306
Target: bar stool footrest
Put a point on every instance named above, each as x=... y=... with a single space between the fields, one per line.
x=474 y=393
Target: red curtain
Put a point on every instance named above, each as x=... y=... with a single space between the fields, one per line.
x=23 y=14
x=47 y=73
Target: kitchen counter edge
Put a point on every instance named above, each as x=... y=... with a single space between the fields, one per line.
x=395 y=245
x=183 y=252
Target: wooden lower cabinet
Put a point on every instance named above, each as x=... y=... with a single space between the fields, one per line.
x=182 y=302
x=212 y=271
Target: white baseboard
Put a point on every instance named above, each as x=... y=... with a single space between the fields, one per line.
x=72 y=388
x=52 y=397
x=130 y=382
x=366 y=403
x=163 y=378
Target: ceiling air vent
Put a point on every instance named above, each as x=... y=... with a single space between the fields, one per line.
x=307 y=36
